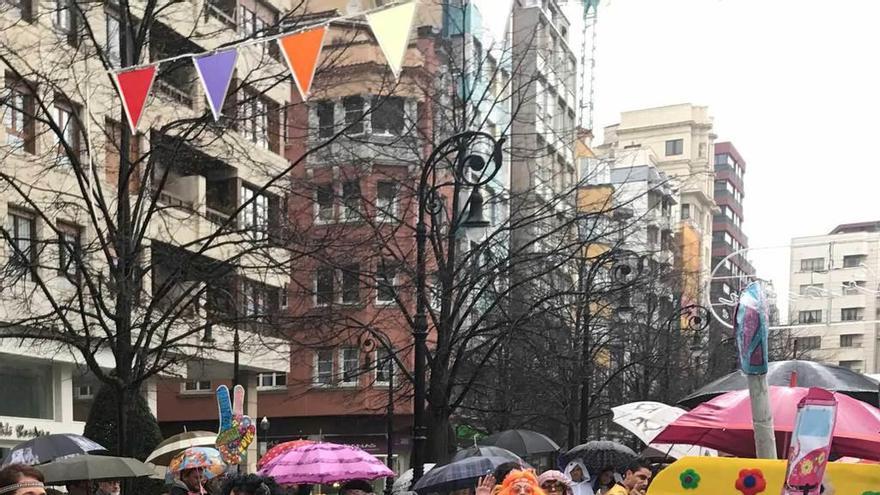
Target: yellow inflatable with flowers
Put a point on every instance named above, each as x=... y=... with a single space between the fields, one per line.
x=736 y=476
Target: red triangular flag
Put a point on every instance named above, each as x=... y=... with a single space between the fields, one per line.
x=134 y=86
x=301 y=52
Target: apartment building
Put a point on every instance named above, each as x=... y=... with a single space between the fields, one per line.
x=834 y=293
x=203 y=222
x=682 y=139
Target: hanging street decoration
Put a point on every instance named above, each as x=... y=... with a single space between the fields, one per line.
x=392 y=27
x=215 y=70
x=134 y=87
x=301 y=51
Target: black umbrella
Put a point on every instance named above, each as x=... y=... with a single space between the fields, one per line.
x=524 y=443
x=599 y=454
x=459 y=474
x=93 y=467
x=48 y=448
x=808 y=374
x=486 y=451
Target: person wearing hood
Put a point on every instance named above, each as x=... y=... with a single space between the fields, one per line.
x=580 y=478
x=555 y=483
x=190 y=481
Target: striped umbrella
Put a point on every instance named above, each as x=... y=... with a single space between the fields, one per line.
x=280 y=449
x=324 y=463
x=48 y=448
x=459 y=474
x=167 y=450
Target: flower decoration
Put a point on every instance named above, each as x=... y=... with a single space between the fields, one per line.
x=751 y=482
x=690 y=479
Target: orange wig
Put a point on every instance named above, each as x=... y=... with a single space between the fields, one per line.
x=519 y=476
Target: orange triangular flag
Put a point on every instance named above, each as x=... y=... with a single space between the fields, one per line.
x=301 y=51
x=134 y=87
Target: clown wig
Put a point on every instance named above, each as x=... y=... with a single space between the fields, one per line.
x=518 y=476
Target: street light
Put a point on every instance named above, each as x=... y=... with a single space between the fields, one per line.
x=465 y=162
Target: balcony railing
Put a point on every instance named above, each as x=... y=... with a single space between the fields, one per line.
x=214 y=11
x=176 y=94
x=216 y=217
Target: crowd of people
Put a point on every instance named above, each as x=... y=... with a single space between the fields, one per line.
x=508 y=479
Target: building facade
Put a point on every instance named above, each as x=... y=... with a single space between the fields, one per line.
x=835 y=296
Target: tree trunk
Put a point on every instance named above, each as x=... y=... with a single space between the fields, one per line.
x=440 y=443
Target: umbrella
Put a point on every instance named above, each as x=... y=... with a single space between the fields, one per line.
x=486 y=451
x=725 y=423
x=93 y=467
x=599 y=454
x=459 y=474
x=807 y=374
x=646 y=419
x=48 y=448
x=280 y=449
x=524 y=443
x=401 y=484
x=207 y=459
x=323 y=463
x=176 y=444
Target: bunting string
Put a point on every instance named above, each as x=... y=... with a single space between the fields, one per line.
x=390 y=24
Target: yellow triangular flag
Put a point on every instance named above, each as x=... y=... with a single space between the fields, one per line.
x=392 y=28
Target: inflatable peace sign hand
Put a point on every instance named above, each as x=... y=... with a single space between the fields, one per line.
x=237 y=431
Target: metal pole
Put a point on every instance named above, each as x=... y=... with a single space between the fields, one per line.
x=389 y=448
x=420 y=333
x=236 y=343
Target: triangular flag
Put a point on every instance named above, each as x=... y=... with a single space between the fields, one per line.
x=134 y=87
x=215 y=70
x=301 y=51
x=392 y=27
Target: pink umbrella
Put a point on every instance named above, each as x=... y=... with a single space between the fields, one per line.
x=725 y=423
x=325 y=463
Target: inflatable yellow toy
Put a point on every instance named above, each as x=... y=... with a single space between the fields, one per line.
x=736 y=476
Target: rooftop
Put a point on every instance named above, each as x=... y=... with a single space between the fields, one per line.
x=850 y=228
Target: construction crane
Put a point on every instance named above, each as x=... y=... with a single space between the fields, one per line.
x=588 y=63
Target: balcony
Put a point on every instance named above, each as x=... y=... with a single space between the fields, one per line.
x=221 y=10
x=175 y=80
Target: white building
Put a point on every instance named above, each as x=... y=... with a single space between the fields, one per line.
x=835 y=298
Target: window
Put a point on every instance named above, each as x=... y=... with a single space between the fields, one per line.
x=853 y=288
x=271 y=380
x=814 y=290
x=323 y=373
x=112 y=50
x=685 y=211
x=67 y=123
x=854 y=261
x=68 y=250
x=852 y=314
x=703 y=148
x=324 y=286
x=351 y=284
x=384 y=366
x=812 y=316
x=283 y=296
x=851 y=340
x=22 y=228
x=808 y=343
x=388 y=116
x=351 y=200
x=255 y=119
x=326 y=120
x=32 y=387
x=813 y=265
x=258 y=300
x=386 y=201
x=349 y=365
x=386 y=282
x=18 y=117
x=324 y=203
x=354 y=114
x=63 y=19
x=724 y=159
x=197 y=386
x=674 y=147
x=84 y=392
x=851 y=365
x=247 y=21
x=255 y=214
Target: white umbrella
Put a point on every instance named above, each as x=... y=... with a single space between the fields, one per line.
x=647 y=419
x=176 y=444
x=402 y=483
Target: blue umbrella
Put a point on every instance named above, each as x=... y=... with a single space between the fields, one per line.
x=459 y=474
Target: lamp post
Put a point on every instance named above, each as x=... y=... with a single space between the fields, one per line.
x=465 y=163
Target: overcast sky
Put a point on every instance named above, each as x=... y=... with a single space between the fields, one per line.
x=792 y=83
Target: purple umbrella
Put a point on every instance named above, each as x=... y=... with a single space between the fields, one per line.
x=324 y=463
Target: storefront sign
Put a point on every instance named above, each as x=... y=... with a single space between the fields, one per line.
x=20 y=431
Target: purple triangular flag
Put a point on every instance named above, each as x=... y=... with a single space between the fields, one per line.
x=215 y=70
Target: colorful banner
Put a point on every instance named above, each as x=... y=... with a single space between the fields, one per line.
x=751 y=328
x=392 y=27
x=237 y=431
x=301 y=51
x=215 y=71
x=134 y=87
x=811 y=443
